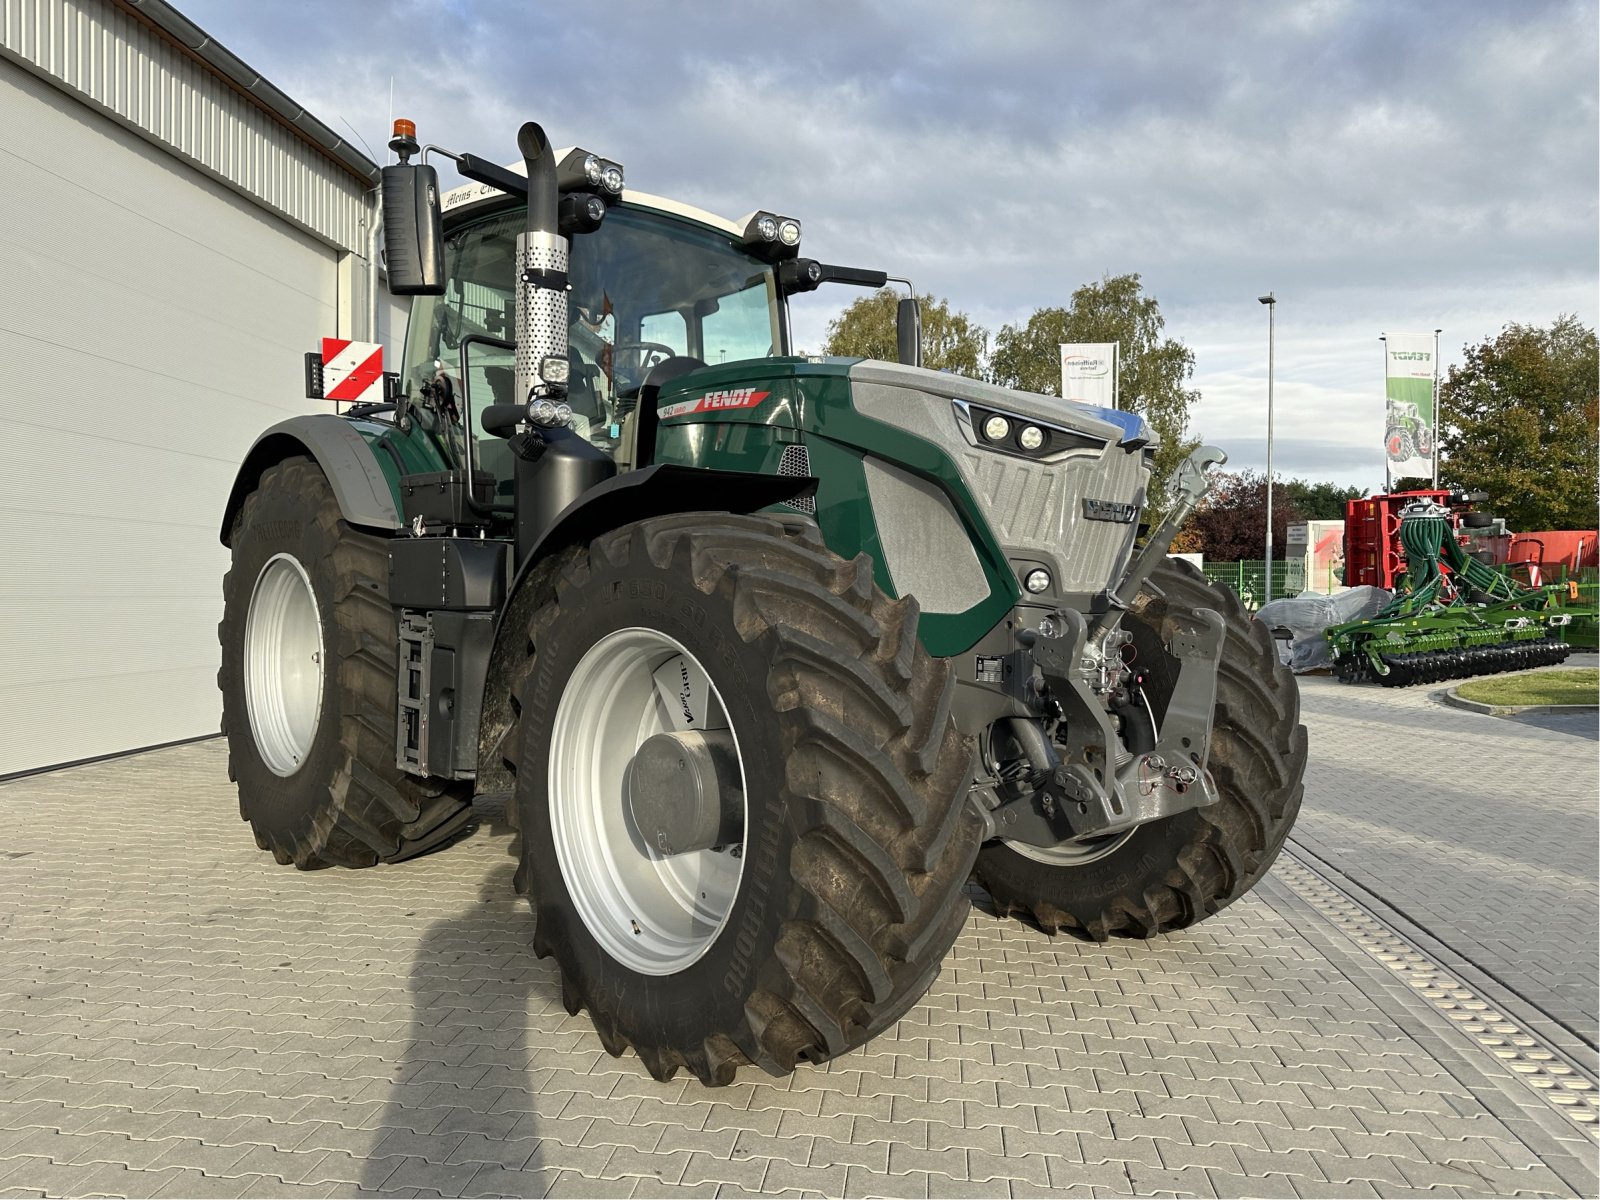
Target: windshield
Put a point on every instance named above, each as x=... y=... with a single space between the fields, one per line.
x=644 y=288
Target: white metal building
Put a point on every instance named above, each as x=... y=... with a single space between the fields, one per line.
x=175 y=235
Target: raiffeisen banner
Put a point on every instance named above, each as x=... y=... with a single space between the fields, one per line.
x=1089 y=373
x=1409 y=422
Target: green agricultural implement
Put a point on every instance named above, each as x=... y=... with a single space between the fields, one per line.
x=766 y=655
x=1455 y=617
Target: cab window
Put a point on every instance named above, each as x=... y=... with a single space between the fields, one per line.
x=645 y=288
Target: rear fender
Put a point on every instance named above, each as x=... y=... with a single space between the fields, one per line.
x=654 y=491
x=358 y=483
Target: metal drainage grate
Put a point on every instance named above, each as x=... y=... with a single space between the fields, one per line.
x=1563 y=1085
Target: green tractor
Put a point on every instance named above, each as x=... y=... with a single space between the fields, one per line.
x=767 y=654
x=1407 y=433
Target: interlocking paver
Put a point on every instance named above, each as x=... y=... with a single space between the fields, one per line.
x=423 y=1174
x=864 y=1182
x=501 y=1181
x=388 y=1032
x=810 y=1179
x=572 y=1184
x=703 y=1169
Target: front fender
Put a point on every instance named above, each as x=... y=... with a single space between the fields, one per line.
x=654 y=491
x=358 y=483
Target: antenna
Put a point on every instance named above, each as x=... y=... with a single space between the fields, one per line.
x=359 y=138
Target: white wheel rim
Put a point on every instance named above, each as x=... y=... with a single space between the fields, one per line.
x=654 y=913
x=1072 y=854
x=283 y=665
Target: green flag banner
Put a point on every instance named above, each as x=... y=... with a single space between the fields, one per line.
x=1409 y=427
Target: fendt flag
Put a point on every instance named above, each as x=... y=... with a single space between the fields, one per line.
x=1089 y=372
x=1409 y=421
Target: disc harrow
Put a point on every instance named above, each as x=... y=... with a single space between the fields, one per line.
x=1436 y=666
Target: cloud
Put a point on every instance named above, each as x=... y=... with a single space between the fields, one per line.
x=1379 y=166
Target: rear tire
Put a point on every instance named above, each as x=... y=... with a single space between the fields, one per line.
x=315 y=762
x=856 y=838
x=1171 y=873
x=1401 y=446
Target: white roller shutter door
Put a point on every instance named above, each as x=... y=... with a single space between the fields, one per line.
x=152 y=324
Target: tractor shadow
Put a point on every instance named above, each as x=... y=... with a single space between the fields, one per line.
x=461 y=1112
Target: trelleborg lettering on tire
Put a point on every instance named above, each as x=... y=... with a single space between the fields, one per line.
x=765 y=865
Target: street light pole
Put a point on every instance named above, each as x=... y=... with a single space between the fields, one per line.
x=1439 y=424
x=1271 y=301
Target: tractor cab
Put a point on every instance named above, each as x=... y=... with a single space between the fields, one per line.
x=625 y=289
x=647 y=285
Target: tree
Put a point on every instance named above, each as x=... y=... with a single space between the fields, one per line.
x=1154 y=368
x=1231 y=522
x=951 y=341
x=1316 y=501
x=1412 y=483
x=1520 y=423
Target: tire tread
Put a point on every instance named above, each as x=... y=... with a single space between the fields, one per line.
x=369 y=811
x=880 y=867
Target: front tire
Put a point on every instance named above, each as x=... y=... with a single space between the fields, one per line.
x=309 y=649
x=1171 y=873
x=854 y=840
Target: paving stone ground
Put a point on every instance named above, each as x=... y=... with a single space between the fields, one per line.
x=1482 y=830
x=180 y=1016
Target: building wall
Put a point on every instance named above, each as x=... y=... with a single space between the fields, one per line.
x=153 y=323
x=113 y=59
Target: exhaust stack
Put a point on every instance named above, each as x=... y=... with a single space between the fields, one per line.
x=542 y=255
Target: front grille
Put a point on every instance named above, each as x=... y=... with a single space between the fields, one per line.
x=1040 y=506
x=1035 y=509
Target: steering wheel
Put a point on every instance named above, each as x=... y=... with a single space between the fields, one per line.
x=649 y=354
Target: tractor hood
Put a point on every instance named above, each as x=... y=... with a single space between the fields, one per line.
x=907 y=475
x=1072 y=504
x=1106 y=424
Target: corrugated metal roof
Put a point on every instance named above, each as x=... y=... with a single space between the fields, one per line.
x=145 y=64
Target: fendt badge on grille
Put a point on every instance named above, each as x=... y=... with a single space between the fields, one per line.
x=1109 y=510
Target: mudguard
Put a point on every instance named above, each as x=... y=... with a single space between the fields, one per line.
x=654 y=491
x=345 y=458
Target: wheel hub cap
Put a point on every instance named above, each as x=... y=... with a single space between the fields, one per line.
x=647 y=790
x=684 y=791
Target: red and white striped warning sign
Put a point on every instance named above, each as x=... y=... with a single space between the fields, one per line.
x=352 y=371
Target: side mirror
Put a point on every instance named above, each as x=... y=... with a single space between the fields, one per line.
x=413 y=231
x=908 y=331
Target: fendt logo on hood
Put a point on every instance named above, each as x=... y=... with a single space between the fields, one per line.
x=715 y=401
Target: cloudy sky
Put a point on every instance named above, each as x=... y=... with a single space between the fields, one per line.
x=1379 y=165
